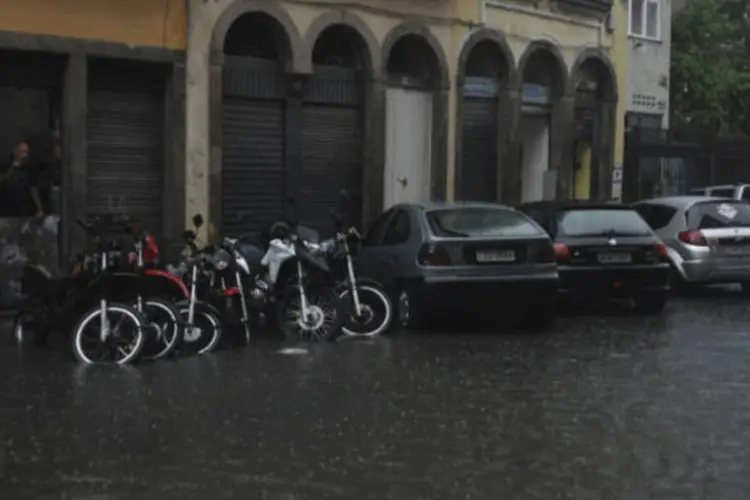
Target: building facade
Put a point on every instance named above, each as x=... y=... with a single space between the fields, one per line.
x=494 y=100
x=555 y=91
x=97 y=88
x=649 y=34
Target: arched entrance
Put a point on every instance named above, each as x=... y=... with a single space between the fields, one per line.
x=333 y=126
x=543 y=76
x=485 y=75
x=595 y=98
x=253 y=124
x=415 y=70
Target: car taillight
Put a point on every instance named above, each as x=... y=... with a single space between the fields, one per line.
x=693 y=237
x=661 y=250
x=562 y=252
x=434 y=255
x=543 y=254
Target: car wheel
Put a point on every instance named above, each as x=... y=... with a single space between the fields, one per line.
x=409 y=312
x=652 y=303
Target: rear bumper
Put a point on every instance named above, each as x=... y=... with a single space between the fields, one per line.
x=495 y=291
x=716 y=270
x=626 y=282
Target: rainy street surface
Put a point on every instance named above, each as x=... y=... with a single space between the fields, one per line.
x=610 y=406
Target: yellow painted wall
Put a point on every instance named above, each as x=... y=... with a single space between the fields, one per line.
x=154 y=23
x=620 y=60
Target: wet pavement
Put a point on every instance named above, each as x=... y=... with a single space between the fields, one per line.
x=610 y=406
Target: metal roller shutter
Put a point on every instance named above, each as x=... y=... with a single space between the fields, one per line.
x=253 y=164
x=125 y=143
x=332 y=154
x=253 y=146
x=479 y=150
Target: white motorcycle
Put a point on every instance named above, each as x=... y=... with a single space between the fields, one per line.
x=288 y=280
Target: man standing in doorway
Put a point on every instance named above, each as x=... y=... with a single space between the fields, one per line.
x=19 y=190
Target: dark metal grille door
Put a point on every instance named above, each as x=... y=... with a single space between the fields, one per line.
x=125 y=146
x=253 y=164
x=332 y=148
x=478 y=176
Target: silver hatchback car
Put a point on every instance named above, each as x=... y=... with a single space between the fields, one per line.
x=708 y=238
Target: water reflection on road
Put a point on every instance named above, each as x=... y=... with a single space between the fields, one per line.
x=605 y=407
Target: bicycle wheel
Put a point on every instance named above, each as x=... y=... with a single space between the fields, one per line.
x=124 y=342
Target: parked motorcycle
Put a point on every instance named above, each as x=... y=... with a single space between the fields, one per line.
x=107 y=328
x=286 y=280
x=202 y=325
x=369 y=308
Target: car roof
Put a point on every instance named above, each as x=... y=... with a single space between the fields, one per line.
x=441 y=205
x=682 y=201
x=571 y=204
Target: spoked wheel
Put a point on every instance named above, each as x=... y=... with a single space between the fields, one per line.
x=120 y=344
x=203 y=335
x=163 y=329
x=324 y=318
x=376 y=312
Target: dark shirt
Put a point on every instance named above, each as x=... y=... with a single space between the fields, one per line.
x=15 y=190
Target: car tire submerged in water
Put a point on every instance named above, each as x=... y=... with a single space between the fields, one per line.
x=410 y=314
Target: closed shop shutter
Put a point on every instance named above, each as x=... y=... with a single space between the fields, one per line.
x=252 y=146
x=478 y=179
x=253 y=164
x=125 y=142
x=332 y=154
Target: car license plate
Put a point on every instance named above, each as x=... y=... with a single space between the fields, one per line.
x=615 y=258
x=496 y=256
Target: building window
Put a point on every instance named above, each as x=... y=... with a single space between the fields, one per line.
x=644 y=18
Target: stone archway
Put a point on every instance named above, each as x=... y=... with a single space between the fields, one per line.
x=594 y=87
x=415 y=116
x=542 y=76
x=250 y=122
x=485 y=73
x=333 y=125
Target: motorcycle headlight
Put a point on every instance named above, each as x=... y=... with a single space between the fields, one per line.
x=221 y=265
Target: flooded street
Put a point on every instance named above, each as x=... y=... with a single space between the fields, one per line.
x=610 y=406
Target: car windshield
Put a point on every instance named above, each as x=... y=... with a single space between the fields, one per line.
x=722 y=192
x=601 y=222
x=718 y=214
x=480 y=221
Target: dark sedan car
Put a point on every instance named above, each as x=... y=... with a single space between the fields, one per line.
x=456 y=257
x=605 y=250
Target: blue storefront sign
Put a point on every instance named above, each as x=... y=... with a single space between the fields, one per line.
x=476 y=86
x=536 y=94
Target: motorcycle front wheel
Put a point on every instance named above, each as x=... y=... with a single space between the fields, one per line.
x=204 y=334
x=125 y=341
x=376 y=312
x=164 y=329
x=325 y=317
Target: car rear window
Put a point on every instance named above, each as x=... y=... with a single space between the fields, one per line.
x=480 y=221
x=717 y=214
x=601 y=222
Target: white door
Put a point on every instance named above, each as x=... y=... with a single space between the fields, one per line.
x=408 y=146
x=534 y=135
